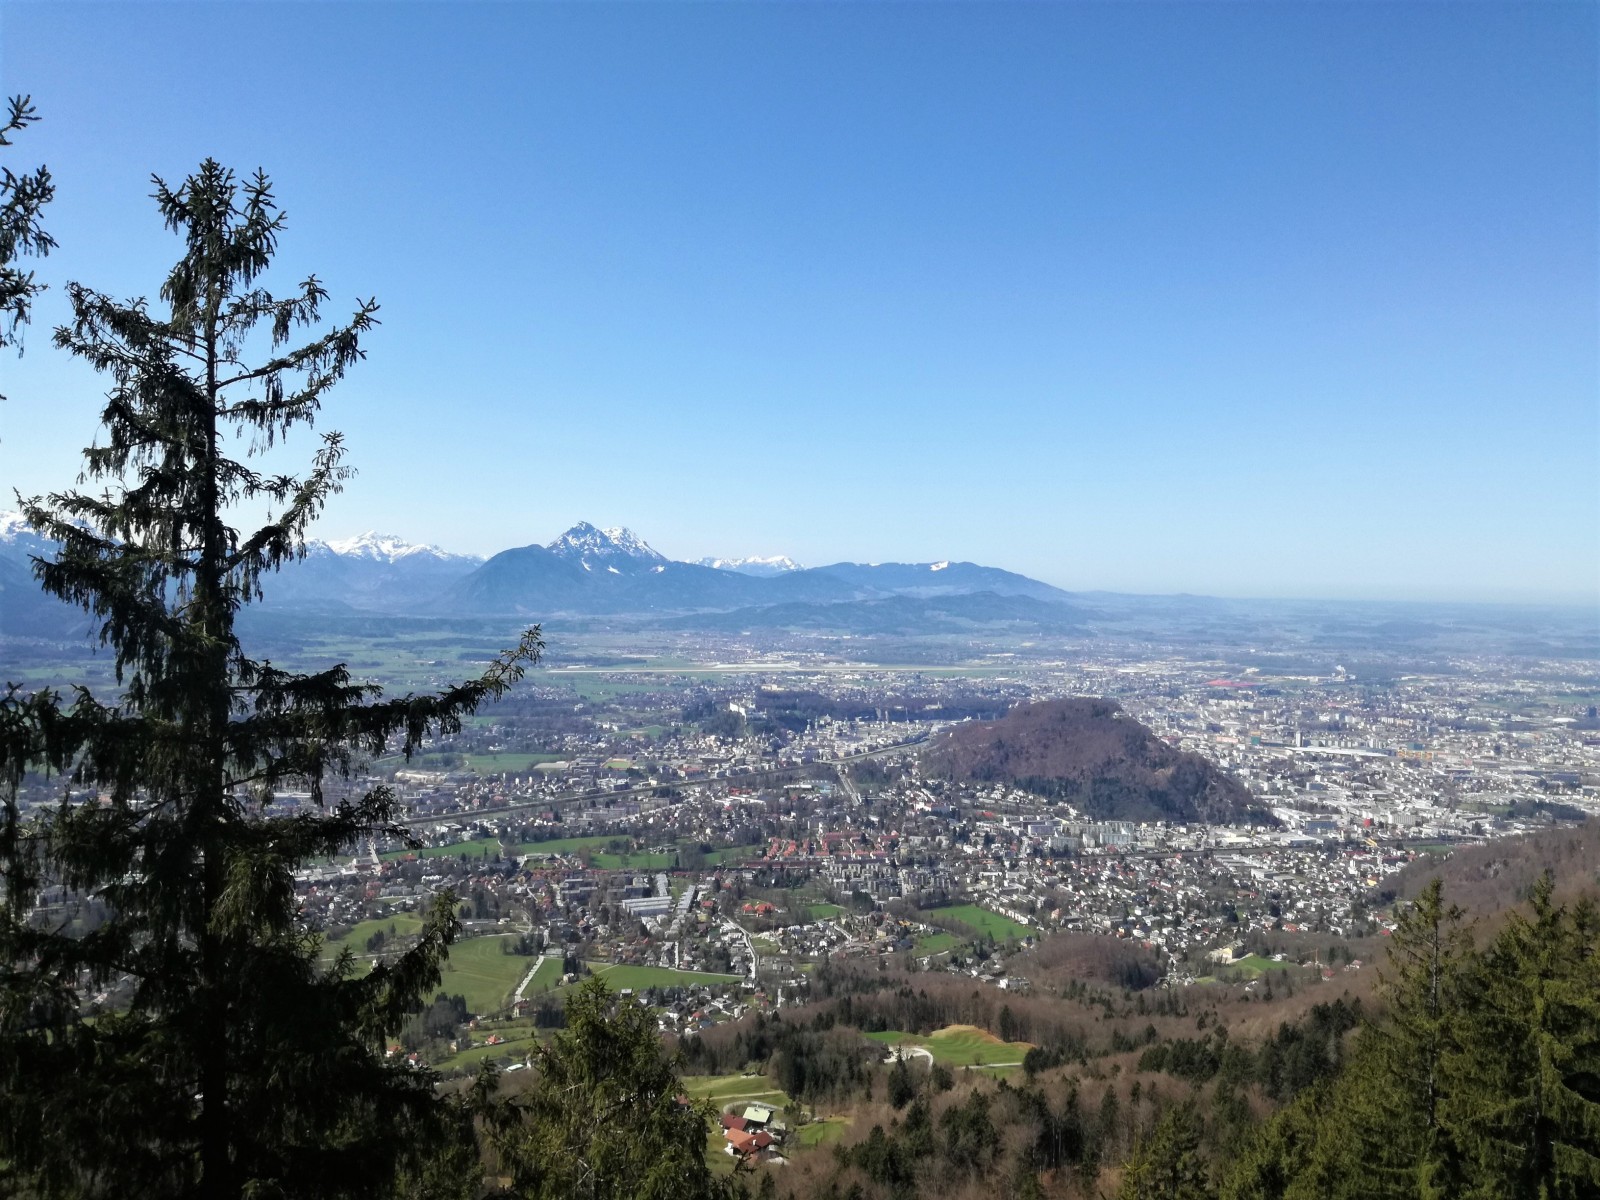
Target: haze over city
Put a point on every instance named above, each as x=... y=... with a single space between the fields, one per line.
x=1250 y=301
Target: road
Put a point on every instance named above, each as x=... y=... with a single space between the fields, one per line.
x=732 y=927
x=528 y=978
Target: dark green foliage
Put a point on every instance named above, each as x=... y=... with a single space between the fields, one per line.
x=228 y=1061
x=901 y=1089
x=604 y=1119
x=1521 y=1102
x=1168 y=1165
x=22 y=235
x=1312 y=1049
x=815 y=1062
x=1483 y=1081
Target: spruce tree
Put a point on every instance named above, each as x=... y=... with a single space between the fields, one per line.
x=22 y=232
x=1168 y=1165
x=1523 y=1094
x=605 y=1118
x=228 y=1060
x=1396 y=1084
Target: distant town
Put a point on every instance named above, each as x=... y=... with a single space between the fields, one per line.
x=706 y=840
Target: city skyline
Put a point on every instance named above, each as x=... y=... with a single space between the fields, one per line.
x=1226 y=300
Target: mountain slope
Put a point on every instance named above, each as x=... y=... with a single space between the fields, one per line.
x=1095 y=757
x=379 y=572
x=940 y=579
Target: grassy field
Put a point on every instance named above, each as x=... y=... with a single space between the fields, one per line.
x=985 y=922
x=823 y=912
x=517 y=1044
x=624 y=976
x=637 y=861
x=722 y=1090
x=936 y=943
x=402 y=923
x=546 y=977
x=482 y=973
x=820 y=1133
x=570 y=845
x=515 y=761
x=958 y=1045
x=1252 y=966
x=591 y=687
x=730 y=854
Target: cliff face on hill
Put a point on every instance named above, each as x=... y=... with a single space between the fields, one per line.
x=1095 y=757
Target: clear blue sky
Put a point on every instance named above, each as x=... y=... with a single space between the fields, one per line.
x=1248 y=299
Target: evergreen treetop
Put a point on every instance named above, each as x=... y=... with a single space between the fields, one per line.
x=231 y=1059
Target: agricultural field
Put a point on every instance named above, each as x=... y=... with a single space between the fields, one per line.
x=621 y=975
x=958 y=1046
x=482 y=973
x=991 y=925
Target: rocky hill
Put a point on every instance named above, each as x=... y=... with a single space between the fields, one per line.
x=1093 y=756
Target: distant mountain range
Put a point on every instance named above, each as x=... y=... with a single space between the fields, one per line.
x=591 y=572
x=775 y=564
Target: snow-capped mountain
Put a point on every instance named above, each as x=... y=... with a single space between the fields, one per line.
x=385 y=548
x=18 y=538
x=586 y=571
x=761 y=567
x=616 y=551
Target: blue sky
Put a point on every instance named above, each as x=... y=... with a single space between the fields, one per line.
x=1246 y=299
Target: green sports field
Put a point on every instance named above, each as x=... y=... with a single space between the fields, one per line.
x=637 y=861
x=989 y=924
x=515 y=762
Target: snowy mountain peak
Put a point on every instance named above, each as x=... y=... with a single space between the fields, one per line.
x=13 y=525
x=763 y=567
x=387 y=548
x=615 y=549
x=18 y=535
